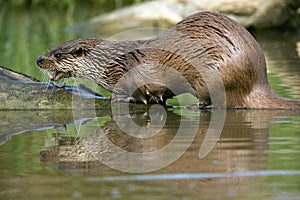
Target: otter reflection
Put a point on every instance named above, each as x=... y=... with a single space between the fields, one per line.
x=242 y=145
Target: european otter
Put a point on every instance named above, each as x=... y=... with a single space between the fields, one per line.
x=206 y=54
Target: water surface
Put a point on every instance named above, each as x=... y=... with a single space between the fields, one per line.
x=219 y=154
x=255 y=156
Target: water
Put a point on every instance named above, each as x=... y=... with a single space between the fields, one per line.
x=233 y=154
x=256 y=156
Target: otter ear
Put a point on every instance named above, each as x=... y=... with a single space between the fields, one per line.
x=78 y=52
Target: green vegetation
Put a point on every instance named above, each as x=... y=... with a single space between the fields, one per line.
x=279 y=87
x=67 y=3
x=30 y=28
x=75 y=131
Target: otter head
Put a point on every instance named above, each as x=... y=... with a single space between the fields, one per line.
x=70 y=59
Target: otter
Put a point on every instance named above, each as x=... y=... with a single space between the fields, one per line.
x=206 y=54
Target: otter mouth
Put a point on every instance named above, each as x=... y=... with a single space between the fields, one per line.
x=56 y=75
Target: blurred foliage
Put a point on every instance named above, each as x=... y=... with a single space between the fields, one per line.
x=31 y=27
x=67 y=3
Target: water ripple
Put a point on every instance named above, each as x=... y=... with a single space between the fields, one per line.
x=184 y=176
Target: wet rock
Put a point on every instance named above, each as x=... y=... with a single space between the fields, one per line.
x=19 y=91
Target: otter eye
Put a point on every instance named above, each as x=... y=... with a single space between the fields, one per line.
x=78 y=52
x=58 y=55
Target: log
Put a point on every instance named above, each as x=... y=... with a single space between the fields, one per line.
x=19 y=91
